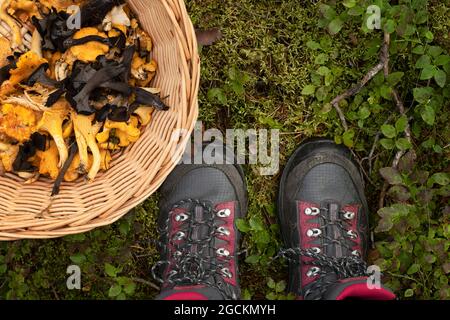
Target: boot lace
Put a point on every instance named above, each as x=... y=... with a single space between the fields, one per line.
x=194 y=261
x=343 y=267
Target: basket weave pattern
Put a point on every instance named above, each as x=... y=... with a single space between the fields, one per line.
x=28 y=212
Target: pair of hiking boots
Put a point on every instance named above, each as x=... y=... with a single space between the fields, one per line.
x=323 y=216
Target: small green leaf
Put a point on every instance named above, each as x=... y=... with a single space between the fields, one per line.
x=323 y=71
x=78 y=258
x=409 y=293
x=321 y=93
x=271 y=296
x=435 y=51
x=440 y=77
x=281 y=286
x=217 y=93
x=309 y=90
x=335 y=25
x=442 y=60
x=429 y=35
x=440 y=178
x=233 y=73
x=253 y=259
x=348 y=137
x=399 y=193
x=256 y=223
x=391 y=175
x=326 y=108
x=349 y=3
x=428 y=114
x=237 y=87
x=413 y=268
x=363 y=113
x=394 y=78
x=385 y=92
x=423 y=62
x=110 y=270
x=388 y=144
x=262 y=237
x=321 y=58
x=313 y=45
x=327 y=11
x=418 y=49
x=388 y=130
x=129 y=288
x=271 y=283
x=389 y=26
x=246 y=295
x=422 y=95
x=114 y=291
x=421 y=17
x=403 y=144
x=242 y=225
x=428 y=72
x=121 y=296
x=355 y=11
x=329 y=79
x=401 y=123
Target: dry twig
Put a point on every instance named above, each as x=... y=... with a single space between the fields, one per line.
x=383 y=64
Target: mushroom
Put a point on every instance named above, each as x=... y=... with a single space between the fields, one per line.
x=72 y=173
x=142 y=71
x=49 y=161
x=115 y=18
x=17 y=42
x=25 y=67
x=89 y=51
x=118 y=134
x=51 y=122
x=8 y=154
x=5 y=51
x=85 y=132
x=24 y=9
x=36 y=43
x=67 y=129
x=80 y=102
x=17 y=122
x=105 y=159
x=145 y=114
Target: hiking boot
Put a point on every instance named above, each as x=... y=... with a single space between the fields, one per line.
x=198 y=236
x=323 y=216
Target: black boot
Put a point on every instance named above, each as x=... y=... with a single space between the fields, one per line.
x=198 y=236
x=323 y=215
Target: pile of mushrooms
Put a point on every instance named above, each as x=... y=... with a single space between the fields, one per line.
x=70 y=97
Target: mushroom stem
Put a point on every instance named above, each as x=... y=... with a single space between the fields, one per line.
x=13 y=25
x=36 y=43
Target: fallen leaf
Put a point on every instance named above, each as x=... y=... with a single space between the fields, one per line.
x=208 y=37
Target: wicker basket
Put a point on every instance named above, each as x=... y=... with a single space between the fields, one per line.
x=28 y=212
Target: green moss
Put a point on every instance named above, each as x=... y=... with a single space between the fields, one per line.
x=266 y=41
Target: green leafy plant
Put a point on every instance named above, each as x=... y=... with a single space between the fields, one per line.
x=412 y=230
x=277 y=290
x=234 y=86
x=122 y=287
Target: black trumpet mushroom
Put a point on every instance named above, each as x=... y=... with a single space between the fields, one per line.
x=80 y=102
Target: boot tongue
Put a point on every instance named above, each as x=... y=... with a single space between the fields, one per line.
x=333 y=230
